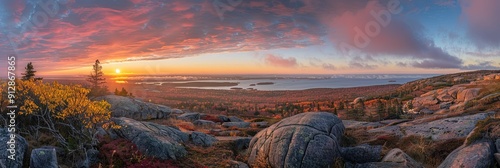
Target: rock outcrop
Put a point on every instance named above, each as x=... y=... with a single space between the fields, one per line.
x=360 y=124
x=376 y=165
x=204 y=123
x=153 y=139
x=238 y=164
x=12 y=148
x=134 y=108
x=305 y=140
x=43 y=158
x=467 y=94
x=192 y=116
x=396 y=155
x=223 y=118
x=492 y=77
x=476 y=155
x=448 y=128
x=236 y=124
x=202 y=139
x=235 y=119
x=362 y=153
x=450 y=98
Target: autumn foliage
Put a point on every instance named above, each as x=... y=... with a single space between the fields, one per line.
x=62 y=111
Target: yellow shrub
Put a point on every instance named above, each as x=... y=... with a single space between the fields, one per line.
x=62 y=102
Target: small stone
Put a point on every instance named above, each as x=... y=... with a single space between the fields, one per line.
x=43 y=158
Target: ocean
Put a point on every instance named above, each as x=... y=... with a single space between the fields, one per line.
x=280 y=82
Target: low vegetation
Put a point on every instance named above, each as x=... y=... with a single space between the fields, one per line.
x=120 y=153
x=488 y=128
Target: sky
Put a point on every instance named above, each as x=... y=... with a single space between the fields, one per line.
x=65 y=37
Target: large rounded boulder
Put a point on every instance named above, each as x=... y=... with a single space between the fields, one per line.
x=305 y=140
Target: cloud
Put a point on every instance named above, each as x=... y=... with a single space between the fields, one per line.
x=401 y=64
x=360 y=65
x=134 y=30
x=280 y=61
x=359 y=30
x=442 y=60
x=328 y=66
x=483 y=21
x=482 y=65
x=484 y=54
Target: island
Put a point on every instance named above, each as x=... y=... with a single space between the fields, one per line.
x=265 y=83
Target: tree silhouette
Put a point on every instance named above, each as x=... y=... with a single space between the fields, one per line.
x=30 y=73
x=96 y=79
x=96 y=76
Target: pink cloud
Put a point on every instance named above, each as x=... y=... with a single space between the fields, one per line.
x=483 y=21
x=281 y=61
x=149 y=30
x=369 y=31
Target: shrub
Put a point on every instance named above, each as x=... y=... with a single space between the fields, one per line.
x=258 y=120
x=251 y=131
x=415 y=146
x=153 y=163
x=120 y=153
x=64 y=112
x=426 y=151
x=123 y=153
x=438 y=151
x=487 y=128
x=186 y=125
x=211 y=118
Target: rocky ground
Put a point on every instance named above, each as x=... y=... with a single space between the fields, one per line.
x=455 y=123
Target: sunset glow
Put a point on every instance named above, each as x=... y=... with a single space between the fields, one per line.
x=257 y=37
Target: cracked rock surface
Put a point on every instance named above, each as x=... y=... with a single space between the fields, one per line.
x=153 y=139
x=305 y=140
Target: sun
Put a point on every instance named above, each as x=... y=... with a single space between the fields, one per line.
x=117 y=71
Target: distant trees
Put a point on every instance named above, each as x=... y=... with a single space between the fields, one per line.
x=29 y=73
x=123 y=92
x=341 y=105
x=380 y=109
x=96 y=79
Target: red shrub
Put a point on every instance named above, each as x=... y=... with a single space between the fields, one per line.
x=186 y=125
x=211 y=118
x=120 y=153
x=154 y=163
x=124 y=153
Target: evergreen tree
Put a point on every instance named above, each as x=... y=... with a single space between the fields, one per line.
x=123 y=92
x=341 y=105
x=30 y=73
x=96 y=79
x=96 y=76
x=117 y=92
x=410 y=104
x=380 y=108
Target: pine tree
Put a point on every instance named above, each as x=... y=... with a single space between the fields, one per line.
x=96 y=79
x=96 y=76
x=341 y=105
x=380 y=108
x=123 y=92
x=30 y=73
